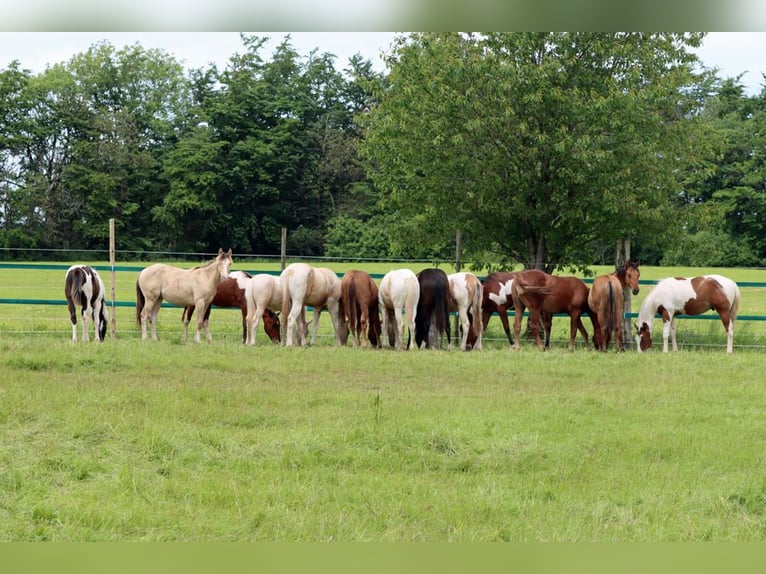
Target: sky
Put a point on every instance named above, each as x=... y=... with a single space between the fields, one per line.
x=733 y=53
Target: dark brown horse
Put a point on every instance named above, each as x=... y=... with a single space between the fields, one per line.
x=496 y=298
x=545 y=295
x=360 y=309
x=433 y=309
x=231 y=293
x=606 y=300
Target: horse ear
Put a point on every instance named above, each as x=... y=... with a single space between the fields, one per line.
x=229 y=252
x=220 y=251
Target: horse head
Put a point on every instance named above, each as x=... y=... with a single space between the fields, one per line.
x=223 y=262
x=643 y=337
x=632 y=274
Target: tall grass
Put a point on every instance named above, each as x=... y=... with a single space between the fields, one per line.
x=131 y=440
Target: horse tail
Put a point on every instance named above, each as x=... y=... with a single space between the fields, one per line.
x=287 y=304
x=522 y=287
x=140 y=302
x=74 y=284
x=352 y=307
x=476 y=315
x=734 y=308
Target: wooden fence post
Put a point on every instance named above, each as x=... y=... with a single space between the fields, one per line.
x=283 y=249
x=622 y=255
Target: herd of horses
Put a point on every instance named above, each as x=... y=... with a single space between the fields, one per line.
x=417 y=305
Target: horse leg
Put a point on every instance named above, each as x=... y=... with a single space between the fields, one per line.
x=186 y=318
x=667 y=328
x=466 y=325
x=315 y=326
x=728 y=324
x=73 y=319
x=517 y=327
x=534 y=321
x=364 y=326
x=155 y=310
x=85 y=336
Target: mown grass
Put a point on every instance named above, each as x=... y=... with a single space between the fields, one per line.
x=131 y=440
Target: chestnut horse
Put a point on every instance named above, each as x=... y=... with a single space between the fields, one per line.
x=83 y=286
x=466 y=294
x=231 y=293
x=496 y=298
x=606 y=300
x=545 y=295
x=398 y=293
x=318 y=287
x=360 y=308
x=432 y=319
x=677 y=295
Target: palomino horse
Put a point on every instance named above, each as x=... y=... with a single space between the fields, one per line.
x=231 y=293
x=83 y=286
x=196 y=286
x=677 y=295
x=263 y=296
x=304 y=285
x=466 y=294
x=606 y=300
x=496 y=298
x=546 y=295
x=398 y=293
x=432 y=320
x=360 y=308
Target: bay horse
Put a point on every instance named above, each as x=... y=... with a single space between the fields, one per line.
x=545 y=295
x=398 y=294
x=432 y=320
x=678 y=295
x=231 y=293
x=606 y=300
x=196 y=286
x=83 y=286
x=263 y=296
x=360 y=308
x=466 y=296
x=304 y=285
x=496 y=298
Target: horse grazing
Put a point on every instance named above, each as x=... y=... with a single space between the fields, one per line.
x=196 y=286
x=606 y=300
x=545 y=295
x=304 y=285
x=83 y=286
x=466 y=296
x=398 y=294
x=263 y=296
x=496 y=298
x=231 y=293
x=677 y=295
x=360 y=308
x=433 y=309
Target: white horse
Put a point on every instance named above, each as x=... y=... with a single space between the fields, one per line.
x=262 y=292
x=466 y=294
x=304 y=285
x=196 y=286
x=399 y=293
x=674 y=296
x=83 y=286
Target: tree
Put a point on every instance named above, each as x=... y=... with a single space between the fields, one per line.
x=534 y=145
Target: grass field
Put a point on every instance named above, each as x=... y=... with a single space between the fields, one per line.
x=173 y=441
x=143 y=441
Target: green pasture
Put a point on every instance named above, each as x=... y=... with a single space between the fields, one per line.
x=47 y=284
x=143 y=441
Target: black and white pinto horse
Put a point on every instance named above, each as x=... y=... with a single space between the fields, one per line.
x=432 y=317
x=83 y=286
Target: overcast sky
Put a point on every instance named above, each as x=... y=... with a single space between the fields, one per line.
x=733 y=53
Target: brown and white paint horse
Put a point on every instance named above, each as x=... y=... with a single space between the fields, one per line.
x=304 y=285
x=677 y=295
x=545 y=295
x=231 y=293
x=466 y=295
x=606 y=300
x=496 y=298
x=83 y=286
x=360 y=308
x=183 y=287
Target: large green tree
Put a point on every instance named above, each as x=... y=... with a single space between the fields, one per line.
x=536 y=145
